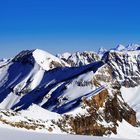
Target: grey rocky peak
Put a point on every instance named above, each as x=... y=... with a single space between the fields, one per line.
x=120 y=47
x=102 y=50
x=80 y=58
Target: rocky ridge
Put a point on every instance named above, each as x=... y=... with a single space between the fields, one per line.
x=84 y=88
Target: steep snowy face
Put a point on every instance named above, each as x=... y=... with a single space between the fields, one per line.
x=125 y=65
x=79 y=59
x=24 y=57
x=133 y=47
x=101 y=51
x=29 y=78
x=41 y=78
x=129 y=47
x=48 y=61
x=88 y=95
x=55 y=91
x=104 y=109
x=44 y=59
x=24 y=73
x=120 y=47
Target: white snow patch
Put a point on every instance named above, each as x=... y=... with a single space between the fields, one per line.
x=44 y=59
x=132 y=97
x=127 y=131
x=36 y=112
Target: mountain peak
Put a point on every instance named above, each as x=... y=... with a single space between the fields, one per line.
x=129 y=47
x=44 y=59
x=120 y=47
x=65 y=55
x=79 y=58
x=133 y=47
x=24 y=56
x=102 y=50
x=89 y=91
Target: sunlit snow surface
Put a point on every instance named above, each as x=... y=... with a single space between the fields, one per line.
x=132 y=97
x=34 y=112
x=35 y=82
x=127 y=131
x=57 y=90
x=10 y=134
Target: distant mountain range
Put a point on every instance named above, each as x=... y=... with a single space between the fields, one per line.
x=86 y=93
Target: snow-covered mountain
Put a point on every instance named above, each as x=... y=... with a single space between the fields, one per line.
x=129 y=47
x=79 y=59
x=125 y=66
x=80 y=93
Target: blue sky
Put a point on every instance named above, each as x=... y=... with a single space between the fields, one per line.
x=67 y=25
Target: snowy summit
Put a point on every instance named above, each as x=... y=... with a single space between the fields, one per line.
x=72 y=93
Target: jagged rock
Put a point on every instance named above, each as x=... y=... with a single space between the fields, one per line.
x=79 y=59
x=125 y=67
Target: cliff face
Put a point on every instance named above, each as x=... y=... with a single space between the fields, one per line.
x=124 y=63
x=125 y=66
x=79 y=59
x=103 y=120
x=103 y=111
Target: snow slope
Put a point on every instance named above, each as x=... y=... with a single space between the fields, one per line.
x=132 y=97
x=36 y=82
x=44 y=59
x=14 y=134
x=127 y=131
x=129 y=47
x=43 y=88
x=80 y=58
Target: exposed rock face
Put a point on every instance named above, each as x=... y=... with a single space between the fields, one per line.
x=101 y=108
x=108 y=106
x=87 y=125
x=55 y=64
x=24 y=57
x=104 y=110
x=125 y=66
x=79 y=59
x=47 y=61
